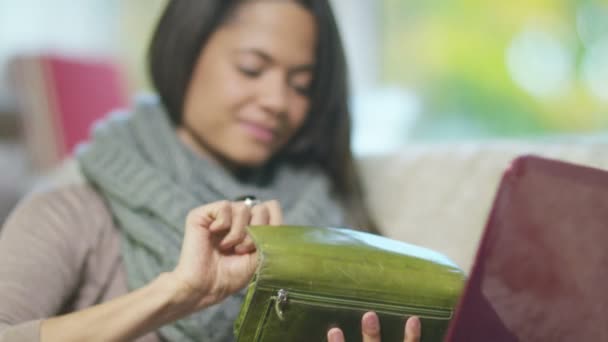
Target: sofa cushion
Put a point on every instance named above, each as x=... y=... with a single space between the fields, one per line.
x=439 y=196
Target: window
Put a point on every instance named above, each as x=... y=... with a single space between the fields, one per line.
x=476 y=69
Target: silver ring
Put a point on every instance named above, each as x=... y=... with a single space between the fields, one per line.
x=251 y=201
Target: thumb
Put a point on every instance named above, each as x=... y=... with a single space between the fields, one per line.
x=246 y=269
x=252 y=263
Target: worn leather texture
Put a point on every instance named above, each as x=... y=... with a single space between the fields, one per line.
x=311 y=279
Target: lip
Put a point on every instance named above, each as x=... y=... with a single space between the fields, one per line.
x=260 y=132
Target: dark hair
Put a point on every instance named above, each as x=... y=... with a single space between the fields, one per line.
x=181 y=34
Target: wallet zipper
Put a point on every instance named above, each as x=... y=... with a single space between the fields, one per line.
x=283 y=297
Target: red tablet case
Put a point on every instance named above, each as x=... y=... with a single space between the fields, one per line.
x=541 y=271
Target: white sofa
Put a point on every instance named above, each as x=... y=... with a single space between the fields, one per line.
x=439 y=196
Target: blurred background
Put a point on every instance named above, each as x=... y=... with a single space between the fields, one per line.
x=422 y=72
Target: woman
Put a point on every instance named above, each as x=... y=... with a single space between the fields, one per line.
x=251 y=101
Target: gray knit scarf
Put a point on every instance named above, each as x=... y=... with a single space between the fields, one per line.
x=151 y=181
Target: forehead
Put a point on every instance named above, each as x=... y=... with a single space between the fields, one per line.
x=283 y=29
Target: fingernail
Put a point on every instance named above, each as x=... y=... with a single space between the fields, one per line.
x=335 y=335
x=415 y=322
x=371 y=322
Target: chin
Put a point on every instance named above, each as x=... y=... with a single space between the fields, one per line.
x=252 y=159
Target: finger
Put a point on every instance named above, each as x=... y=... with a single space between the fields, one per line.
x=275 y=212
x=412 y=330
x=335 y=335
x=222 y=217
x=209 y=214
x=245 y=247
x=240 y=219
x=370 y=327
x=260 y=215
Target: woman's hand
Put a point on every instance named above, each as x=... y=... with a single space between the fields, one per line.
x=370 y=327
x=218 y=257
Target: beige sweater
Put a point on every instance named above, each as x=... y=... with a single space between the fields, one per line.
x=59 y=252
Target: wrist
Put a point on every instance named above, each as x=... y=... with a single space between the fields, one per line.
x=180 y=299
x=183 y=298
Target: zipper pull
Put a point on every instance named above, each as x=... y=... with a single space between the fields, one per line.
x=280 y=303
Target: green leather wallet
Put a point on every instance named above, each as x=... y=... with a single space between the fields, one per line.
x=312 y=279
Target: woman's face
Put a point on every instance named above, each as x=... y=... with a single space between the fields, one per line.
x=249 y=91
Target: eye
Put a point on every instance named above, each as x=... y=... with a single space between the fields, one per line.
x=250 y=72
x=303 y=90
x=301 y=83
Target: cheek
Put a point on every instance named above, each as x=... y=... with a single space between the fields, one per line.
x=298 y=113
x=232 y=90
x=220 y=90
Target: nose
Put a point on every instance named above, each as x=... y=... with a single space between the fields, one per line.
x=274 y=93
